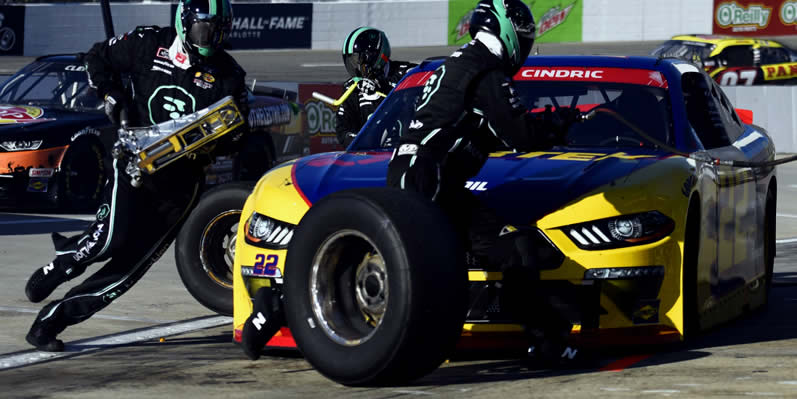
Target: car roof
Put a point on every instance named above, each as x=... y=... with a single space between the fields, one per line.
x=722 y=42
x=670 y=67
x=606 y=61
x=59 y=58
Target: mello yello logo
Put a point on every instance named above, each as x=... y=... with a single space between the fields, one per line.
x=729 y=14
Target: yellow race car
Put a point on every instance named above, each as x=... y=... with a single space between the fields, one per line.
x=735 y=61
x=640 y=235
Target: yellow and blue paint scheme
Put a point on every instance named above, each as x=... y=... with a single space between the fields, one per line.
x=627 y=294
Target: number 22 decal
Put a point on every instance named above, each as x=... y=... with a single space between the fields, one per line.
x=267 y=263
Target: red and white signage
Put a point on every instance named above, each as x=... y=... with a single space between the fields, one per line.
x=755 y=17
x=644 y=77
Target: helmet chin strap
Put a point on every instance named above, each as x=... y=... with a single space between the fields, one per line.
x=491 y=42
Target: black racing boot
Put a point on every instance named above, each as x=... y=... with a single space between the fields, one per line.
x=266 y=319
x=46 y=279
x=43 y=338
x=556 y=352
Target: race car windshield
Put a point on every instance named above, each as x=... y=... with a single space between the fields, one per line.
x=641 y=107
x=689 y=51
x=619 y=111
x=59 y=85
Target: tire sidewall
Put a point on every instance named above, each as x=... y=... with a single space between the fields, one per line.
x=427 y=283
x=690 y=263
x=188 y=245
x=372 y=355
x=79 y=151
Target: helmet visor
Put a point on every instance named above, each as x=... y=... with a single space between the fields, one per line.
x=522 y=20
x=360 y=64
x=205 y=31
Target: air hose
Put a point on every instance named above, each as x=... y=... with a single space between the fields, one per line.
x=701 y=157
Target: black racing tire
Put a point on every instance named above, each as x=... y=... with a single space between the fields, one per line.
x=205 y=247
x=375 y=287
x=82 y=175
x=690 y=264
x=769 y=241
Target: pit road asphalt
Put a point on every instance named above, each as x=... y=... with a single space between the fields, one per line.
x=754 y=356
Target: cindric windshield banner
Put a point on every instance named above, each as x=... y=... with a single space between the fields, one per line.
x=755 y=17
x=644 y=77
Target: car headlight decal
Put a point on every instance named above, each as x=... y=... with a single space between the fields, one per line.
x=620 y=231
x=20 y=145
x=265 y=232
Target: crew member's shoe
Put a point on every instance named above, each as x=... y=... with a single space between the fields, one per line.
x=40 y=337
x=559 y=355
x=266 y=319
x=44 y=281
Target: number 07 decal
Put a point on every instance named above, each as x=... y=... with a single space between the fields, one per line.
x=266 y=263
x=731 y=78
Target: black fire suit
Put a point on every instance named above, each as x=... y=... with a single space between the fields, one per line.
x=354 y=112
x=135 y=226
x=469 y=108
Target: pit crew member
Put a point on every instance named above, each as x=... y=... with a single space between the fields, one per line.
x=468 y=109
x=172 y=72
x=366 y=55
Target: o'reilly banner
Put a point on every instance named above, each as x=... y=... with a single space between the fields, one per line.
x=557 y=20
x=12 y=30
x=270 y=26
x=754 y=18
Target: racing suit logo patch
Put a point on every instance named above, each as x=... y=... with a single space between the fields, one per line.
x=202 y=84
x=407 y=149
x=162 y=53
x=173 y=99
x=103 y=212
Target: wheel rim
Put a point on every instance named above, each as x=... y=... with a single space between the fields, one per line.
x=349 y=287
x=217 y=247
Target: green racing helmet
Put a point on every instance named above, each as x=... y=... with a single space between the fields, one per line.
x=366 y=53
x=203 y=25
x=511 y=22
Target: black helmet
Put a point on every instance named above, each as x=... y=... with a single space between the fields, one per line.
x=366 y=53
x=511 y=22
x=203 y=25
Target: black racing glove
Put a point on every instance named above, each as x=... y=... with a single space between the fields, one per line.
x=556 y=124
x=567 y=117
x=367 y=87
x=115 y=106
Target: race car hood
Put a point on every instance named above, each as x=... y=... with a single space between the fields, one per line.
x=33 y=123
x=520 y=187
